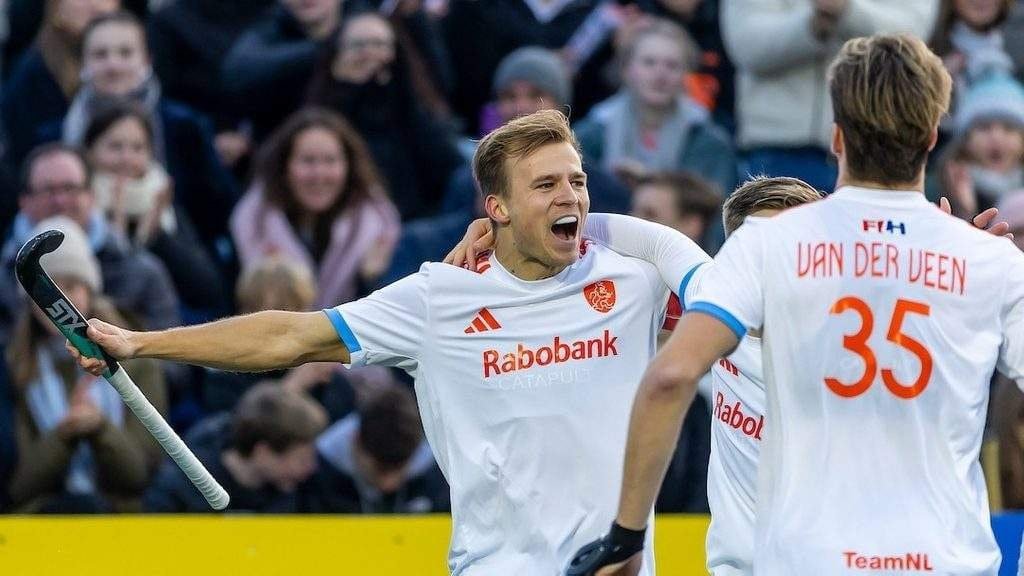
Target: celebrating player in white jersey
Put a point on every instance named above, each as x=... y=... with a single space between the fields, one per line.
x=738 y=399
x=883 y=319
x=524 y=372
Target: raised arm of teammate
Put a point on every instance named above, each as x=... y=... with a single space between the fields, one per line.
x=252 y=343
x=674 y=255
x=670 y=251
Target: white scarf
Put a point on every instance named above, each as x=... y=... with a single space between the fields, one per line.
x=87 y=102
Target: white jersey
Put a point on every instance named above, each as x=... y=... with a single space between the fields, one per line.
x=525 y=391
x=737 y=428
x=883 y=319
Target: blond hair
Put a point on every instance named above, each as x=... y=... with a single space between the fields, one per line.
x=888 y=92
x=517 y=139
x=275 y=284
x=764 y=193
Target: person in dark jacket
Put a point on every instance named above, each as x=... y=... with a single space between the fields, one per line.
x=135 y=192
x=267 y=70
x=261 y=454
x=480 y=34
x=189 y=40
x=377 y=462
x=365 y=77
x=46 y=77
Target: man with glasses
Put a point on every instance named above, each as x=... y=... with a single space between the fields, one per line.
x=55 y=181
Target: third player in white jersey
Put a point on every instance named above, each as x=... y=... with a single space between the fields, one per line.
x=737 y=427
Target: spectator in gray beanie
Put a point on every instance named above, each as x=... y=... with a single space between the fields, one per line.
x=531 y=73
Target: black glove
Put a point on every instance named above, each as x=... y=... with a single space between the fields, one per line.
x=618 y=545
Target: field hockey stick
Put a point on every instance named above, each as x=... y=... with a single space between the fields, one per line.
x=45 y=293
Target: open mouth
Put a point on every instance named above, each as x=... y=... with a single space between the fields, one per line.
x=565 y=228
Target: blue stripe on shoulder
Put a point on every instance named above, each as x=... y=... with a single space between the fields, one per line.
x=685 y=283
x=722 y=315
x=344 y=332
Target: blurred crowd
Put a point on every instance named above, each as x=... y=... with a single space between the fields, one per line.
x=211 y=157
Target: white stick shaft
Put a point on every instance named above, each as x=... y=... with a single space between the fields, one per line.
x=171 y=442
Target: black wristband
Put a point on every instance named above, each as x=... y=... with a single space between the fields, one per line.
x=628 y=540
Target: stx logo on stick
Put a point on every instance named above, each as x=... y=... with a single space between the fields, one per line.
x=63 y=315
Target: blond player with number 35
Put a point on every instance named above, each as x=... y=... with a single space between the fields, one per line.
x=882 y=319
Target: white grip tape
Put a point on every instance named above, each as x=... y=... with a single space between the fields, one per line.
x=171 y=442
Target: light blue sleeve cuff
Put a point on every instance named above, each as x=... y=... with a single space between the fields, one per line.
x=344 y=332
x=722 y=315
x=686 y=283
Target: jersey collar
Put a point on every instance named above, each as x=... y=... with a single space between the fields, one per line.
x=509 y=278
x=884 y=197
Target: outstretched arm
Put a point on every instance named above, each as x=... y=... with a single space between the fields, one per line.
x=252 y=343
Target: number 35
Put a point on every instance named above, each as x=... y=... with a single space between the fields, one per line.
x=858 y=344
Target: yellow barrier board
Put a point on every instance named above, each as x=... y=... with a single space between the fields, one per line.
x=268 y=545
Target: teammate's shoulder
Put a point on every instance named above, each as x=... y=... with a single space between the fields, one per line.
x=596 y=253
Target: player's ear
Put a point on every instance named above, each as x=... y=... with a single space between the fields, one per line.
x=837 y=140
x=497 y=209
x=933 y=138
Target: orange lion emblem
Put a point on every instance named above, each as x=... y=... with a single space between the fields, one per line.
x=600 y=295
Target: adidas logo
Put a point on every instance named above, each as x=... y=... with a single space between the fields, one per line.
x=483 y=322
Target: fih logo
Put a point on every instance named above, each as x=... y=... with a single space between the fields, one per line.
x=884 y=226
x=62 y=313
x=600 y=295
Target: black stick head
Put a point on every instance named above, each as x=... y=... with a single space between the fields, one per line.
x=27 y=265
x=49 y=297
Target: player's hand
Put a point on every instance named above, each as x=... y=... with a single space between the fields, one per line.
x=479 y=237
x=120 y=343
x=986 y=220
x=617 y=553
